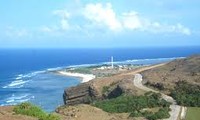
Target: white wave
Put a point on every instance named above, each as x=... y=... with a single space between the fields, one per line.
x=82 y=65
x=16 y=84
x=145 y=60
x=37 y=72
x=9 y=101
x=20 y=97
x=17 y=78
x=54 y=69
x=21 y=79
x=31 y=74
x=24 y=100
x=20 y=75
x=13 y=100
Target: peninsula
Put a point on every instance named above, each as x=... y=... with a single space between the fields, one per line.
x=130 y=92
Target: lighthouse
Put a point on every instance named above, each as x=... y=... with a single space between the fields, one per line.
x=112 y=66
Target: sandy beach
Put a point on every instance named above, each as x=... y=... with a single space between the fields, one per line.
x=84 y=77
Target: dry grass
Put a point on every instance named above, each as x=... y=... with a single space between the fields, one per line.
x=87 y=112
x=6 y=113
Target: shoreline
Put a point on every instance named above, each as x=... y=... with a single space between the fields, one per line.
x=84 y=77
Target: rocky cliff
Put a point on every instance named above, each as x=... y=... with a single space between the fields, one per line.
x=100 y=88
x=82 y=93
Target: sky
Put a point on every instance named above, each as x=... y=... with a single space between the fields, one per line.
x=99 y=23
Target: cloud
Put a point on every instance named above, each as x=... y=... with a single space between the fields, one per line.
x=64 y=25
x=102 y=15
x=131 y=20
x=182 y=29
x=62 y=13
x=46 y=29
x=157 y=27
x=98 y=17
x=14 y=32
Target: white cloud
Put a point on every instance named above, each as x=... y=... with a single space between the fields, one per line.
x=62 y=13
x=104 y=15
x=131 y=20
x=13 y=32
x=46 y=29
x=100 y=14
x=21 y=33
x=182 y=29
x=64 y=25
x=100 y=17
x=157 y=27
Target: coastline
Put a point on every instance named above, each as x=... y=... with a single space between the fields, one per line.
x=84 y=77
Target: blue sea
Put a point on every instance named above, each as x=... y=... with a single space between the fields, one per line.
x=25 y=76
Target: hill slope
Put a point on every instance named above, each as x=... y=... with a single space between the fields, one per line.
x=165 y=77
x=6 y=113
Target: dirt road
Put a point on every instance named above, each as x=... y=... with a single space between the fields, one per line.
x=175 y=109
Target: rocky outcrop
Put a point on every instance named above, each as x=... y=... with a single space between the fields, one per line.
x=117 y=91
x=82 y=93
x=105 y=88
x=86 y=93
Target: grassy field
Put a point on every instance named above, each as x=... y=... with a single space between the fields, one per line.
x=193 y=113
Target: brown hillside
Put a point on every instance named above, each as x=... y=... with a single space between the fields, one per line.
x=6 y=113
x=186 y=69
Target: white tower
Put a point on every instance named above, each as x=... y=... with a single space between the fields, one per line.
x=112 y=62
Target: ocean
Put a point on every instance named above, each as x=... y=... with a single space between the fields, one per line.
x=25 y=76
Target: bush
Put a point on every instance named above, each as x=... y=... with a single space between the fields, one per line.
x=162 y=113
x=158 y=86
x=34 y=111
x=186 y=96
x=136 y=114
x=133 y=104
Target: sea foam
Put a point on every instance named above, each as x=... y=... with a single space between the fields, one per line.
x=21 y=79
x=15 y=99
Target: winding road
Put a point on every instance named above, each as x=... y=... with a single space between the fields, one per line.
x=175 y=109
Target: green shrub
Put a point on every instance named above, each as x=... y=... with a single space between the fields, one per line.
x=134 y=105
x=34 y=111
x=84 y=70
x=136 y=114
x=51 y=117
x=162 y=113
x=185 y=96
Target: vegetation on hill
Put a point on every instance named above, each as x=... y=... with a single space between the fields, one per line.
x=136 y=105
x=165 y=77
x=158 y=86
x=186 y=94
x=34 y=111
x=83 y=70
